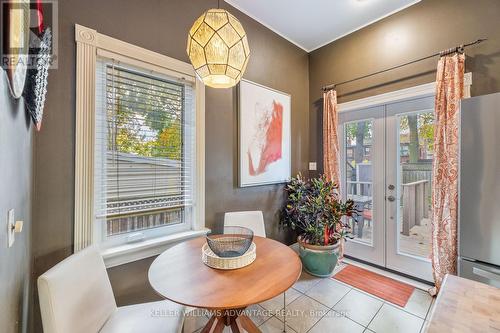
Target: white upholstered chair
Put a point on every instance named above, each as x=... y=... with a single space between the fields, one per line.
x=76 y=296
x=253 y=220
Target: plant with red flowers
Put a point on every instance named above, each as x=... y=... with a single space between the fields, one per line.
x=314 y=209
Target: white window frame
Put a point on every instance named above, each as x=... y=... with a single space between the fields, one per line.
x=90 y=45
x=109 y=242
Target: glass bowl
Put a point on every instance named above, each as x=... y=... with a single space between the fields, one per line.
x=234 y=242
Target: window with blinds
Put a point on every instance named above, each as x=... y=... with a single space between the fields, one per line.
x=144 y=153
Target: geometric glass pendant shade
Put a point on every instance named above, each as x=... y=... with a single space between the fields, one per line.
x=218 y=48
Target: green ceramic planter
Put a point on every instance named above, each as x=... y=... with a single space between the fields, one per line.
x=319 y=260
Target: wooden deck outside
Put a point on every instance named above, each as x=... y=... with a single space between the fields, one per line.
x=416 y=243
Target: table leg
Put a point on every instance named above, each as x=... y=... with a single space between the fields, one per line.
x=208 y=326
x=248 y=324
x=219 y=326
x=235 y=319
x=234 y=325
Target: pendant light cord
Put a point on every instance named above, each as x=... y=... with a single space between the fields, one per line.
x=218 y=4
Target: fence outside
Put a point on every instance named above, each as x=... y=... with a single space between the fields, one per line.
x=416 y=194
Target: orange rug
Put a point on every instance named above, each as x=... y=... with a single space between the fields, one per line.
x=381 y=286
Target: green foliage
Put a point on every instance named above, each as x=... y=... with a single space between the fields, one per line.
x=425 y=125
x=314 y=210
x=141 y=121
x=351 y=130
x=169 y=143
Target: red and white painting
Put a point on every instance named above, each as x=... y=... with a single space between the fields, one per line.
x=264 y=122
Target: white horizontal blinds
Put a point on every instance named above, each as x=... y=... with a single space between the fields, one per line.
x=145 y=137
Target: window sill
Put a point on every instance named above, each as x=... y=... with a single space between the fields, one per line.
x=127 y=253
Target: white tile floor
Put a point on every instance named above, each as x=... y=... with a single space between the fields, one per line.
x=319 y=305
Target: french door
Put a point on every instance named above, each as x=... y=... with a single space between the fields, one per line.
x=387 y=172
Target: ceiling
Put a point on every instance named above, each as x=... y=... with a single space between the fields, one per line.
x=311 y=24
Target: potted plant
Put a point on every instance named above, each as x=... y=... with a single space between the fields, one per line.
x=314 y=209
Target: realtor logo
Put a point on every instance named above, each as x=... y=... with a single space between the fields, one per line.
x=26 y=28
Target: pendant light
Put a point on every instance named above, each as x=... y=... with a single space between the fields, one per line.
x=218 y=48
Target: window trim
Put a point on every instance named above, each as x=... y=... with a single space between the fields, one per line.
x=117 y=241
x=89 y=45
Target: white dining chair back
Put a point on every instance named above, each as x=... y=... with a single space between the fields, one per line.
x=254 y=220
x=76 y=296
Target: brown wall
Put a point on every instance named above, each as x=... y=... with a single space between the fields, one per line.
x=16 y=168
x=422 y=29
x=161 y=26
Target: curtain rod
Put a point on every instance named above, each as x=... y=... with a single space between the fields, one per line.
x=459 y=49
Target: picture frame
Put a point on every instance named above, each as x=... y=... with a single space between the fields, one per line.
x=264 y=133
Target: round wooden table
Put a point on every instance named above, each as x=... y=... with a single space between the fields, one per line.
x=179 y=275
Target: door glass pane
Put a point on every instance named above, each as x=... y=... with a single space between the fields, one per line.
x=358 y=173
x=415 y=154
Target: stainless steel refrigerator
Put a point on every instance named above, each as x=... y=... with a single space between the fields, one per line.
x=479 y=196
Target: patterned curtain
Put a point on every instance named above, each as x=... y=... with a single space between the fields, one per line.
x=331 y=144
x=449 y=92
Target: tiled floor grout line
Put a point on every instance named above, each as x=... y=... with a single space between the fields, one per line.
x=303 y=292
x=287 y=304
x=421 y=326
x=274 y=315
x=332 y=308
x=376 y=313
x=429 y=309
x=347 y=316
x=326 y=306
x=391 y=304
x=329 y=308
x=352 y=288
x=316 y=323
x=300 y=292
x=295 y=300
x=342 y=298
x=402 y=309
x=309 y=298
x=265 y=321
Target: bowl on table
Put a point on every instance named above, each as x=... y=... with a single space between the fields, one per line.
x=234 y=242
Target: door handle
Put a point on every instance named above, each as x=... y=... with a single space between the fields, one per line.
x=391 y=198
x=391 y=187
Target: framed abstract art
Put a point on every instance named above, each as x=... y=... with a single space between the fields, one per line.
x=264 y=135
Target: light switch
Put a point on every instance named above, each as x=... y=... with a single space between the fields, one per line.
x=312 y=166
x=18 y=226
x=10 y=230
x=13 y=227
